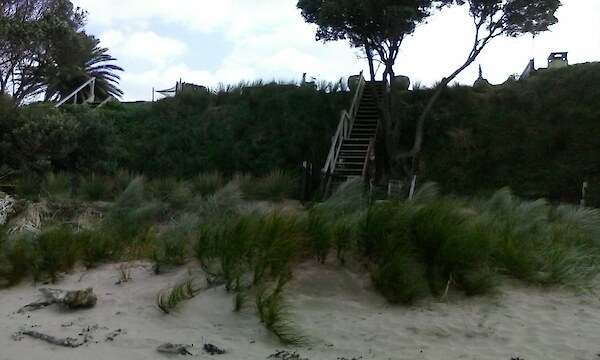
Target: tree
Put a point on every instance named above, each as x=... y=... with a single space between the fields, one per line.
x=28 y=31
x=378 y=27
x=491 y=19
x=44 y=49
x=90 y=60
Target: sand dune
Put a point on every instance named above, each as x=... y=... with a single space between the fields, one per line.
x=336 y=306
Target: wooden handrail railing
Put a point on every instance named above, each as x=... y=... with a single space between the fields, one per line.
x=91 y=81
x=344 y=128
x=365 y=169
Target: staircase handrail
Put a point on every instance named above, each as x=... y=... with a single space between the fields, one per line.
x=90 y=81
x=344 y=127
x=366 y=164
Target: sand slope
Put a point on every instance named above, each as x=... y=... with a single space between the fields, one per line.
x=337 y=307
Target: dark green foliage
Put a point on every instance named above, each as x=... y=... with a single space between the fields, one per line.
x=38 y=139
x=274 y=186
x=400 y=277
x=539 y=136
x=319 y=233
x=252 y=128
x=96 y=187
x=435 y=243
x=58 y=250
x=97 y=247
x=207 y=183
x=57 y=186
x=18 y=258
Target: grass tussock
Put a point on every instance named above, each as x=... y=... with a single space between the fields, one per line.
x=423 y=246
x=205 y=184
x=168 y=300
x=274 y=313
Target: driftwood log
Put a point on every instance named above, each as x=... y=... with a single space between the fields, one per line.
x=67 y=342
x=73 y=299
x=168 y=348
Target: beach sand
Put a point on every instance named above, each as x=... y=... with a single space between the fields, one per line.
x=335 y=306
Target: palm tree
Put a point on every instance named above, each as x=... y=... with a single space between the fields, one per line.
x=76 y=62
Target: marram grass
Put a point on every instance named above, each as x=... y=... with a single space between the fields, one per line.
x=168 y=300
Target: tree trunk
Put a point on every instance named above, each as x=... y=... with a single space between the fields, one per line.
x=369 y=53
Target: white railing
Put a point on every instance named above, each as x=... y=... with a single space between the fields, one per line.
x=91 y=82
x=343 y=129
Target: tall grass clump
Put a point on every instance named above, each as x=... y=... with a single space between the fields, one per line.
x=205 y=184
x=434 y=243
x=18 y=258
x=96 y=246
x=168 y=300
x=95 y=187
x=58 y=250
x=171 y=244
x=255 y=251
x=274 y=313
x=57 y=186
x=28 y=185
x=176 y=193
x=331 y=224
x=220 y=206
x=543 y=244
x=275 y=186
x=226 y=250
x=131 y=215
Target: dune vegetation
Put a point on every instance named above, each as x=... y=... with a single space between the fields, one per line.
x=220 y=172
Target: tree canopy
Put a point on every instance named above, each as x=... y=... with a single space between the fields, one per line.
x=376 y=26
x=491 y=19
x=42 y=44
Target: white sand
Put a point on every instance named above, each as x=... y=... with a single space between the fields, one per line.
x=337 y=307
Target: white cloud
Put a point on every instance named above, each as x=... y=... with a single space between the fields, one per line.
x=143 y=47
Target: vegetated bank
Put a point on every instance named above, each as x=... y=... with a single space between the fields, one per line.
x=539 y=136
x=250 y=128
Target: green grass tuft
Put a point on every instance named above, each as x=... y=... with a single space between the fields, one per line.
x=168 y=300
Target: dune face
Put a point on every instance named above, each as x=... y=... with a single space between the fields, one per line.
x=337 y=307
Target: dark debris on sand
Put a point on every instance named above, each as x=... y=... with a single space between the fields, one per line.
x=212 y=349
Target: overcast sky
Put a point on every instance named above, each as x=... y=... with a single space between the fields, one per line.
x=208 y=42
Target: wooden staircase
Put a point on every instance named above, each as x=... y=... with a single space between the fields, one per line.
x=356 y=148
x=352 y=145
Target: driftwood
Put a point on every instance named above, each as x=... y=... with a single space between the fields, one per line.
x=67 y=342
x=169 y=348
x=72 y=299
